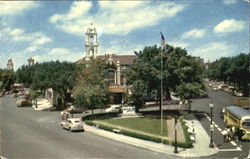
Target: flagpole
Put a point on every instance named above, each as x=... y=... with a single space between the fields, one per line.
x=161 y=96
x=163 y=46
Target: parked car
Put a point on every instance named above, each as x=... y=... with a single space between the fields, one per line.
x=72 y=124
x=72 y=110
x=21 y=101
x=114 y=108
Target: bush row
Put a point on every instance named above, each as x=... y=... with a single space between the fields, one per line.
x=100 y=116
x=189 y=142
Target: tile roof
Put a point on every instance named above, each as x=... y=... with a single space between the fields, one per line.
x=124 y=59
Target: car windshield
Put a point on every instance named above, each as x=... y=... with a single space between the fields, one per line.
x=77 y=121
x=246 y=124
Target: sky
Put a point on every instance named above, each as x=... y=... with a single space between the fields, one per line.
x=55 y=30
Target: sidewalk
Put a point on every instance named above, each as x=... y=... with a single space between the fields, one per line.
x=42 y=104
x=179 y=132
x=200 y=149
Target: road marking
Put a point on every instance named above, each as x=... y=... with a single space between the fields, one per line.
x=233 y=143
x=220 y=130
x=224 y=150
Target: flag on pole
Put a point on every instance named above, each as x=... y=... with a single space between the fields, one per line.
x=163 y=43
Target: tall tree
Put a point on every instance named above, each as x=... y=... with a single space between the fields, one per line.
x=234 y=70
x=178 y=69
x=7 y=79
x=91 y=89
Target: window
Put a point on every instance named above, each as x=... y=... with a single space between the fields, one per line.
x=246 y=124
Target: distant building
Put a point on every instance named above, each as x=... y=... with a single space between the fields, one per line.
x=10 y=65
x=31 y=61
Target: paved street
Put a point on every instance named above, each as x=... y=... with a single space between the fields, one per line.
x=202 y=112
x=26 y=133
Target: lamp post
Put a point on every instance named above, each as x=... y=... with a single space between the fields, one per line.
x=175 y=135
x=211 y=144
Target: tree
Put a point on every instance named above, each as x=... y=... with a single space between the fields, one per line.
x=7 y=79
x=56 y=75
x=178 y=69
x=91 y=89
x=232 y=70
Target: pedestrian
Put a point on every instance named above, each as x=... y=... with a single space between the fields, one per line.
x=228 y=134
x=224 y=133
x=233 y=132
x=193 y=130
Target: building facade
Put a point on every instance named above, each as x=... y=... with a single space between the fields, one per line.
x=117 y=65
x=31 y=61
x=10 y=65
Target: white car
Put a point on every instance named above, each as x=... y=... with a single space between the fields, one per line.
x=72 y=124
x=113 y=108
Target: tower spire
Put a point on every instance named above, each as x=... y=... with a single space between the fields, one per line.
x=91 y=42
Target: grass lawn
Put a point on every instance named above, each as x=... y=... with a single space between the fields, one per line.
x=147 y=125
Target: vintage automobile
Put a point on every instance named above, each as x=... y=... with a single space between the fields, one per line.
x=72 y=124
x=114 y=108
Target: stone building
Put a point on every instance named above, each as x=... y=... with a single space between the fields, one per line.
x=117 y=65
x=10 y=65
x=31 y=61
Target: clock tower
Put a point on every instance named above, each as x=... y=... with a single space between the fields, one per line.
x=91 y=42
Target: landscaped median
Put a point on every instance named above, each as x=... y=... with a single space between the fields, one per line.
x=145 y=128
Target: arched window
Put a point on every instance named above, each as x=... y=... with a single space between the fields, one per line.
x=111 y=73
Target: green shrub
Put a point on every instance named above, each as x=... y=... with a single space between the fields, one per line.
x=26 y=104
x=189 y=142
x=100 y=116
x=141 y=136
x=88 y=122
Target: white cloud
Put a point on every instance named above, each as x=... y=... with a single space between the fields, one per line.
x=228 y=2
x=41 y=54
x=194 y=33
x=15 y=7
x=114 y=19
x=179 y=44
x=59 y=51
x=116 y=5
x=215 y=50
x=64 y=55
x=230 y=25
x=18 y=35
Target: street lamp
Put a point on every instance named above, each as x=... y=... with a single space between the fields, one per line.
x=175 y=135
x=211 y=144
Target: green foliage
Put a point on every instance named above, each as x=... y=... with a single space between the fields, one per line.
x=100 y=116
x=233 y=70
x=33 y=94
x=7 y=79
x=91 y=89
x=26 y=104
x=178 y=69
x=56 y=75
x=189 y=142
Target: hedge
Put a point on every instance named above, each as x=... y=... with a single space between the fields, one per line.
x=100 y=116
